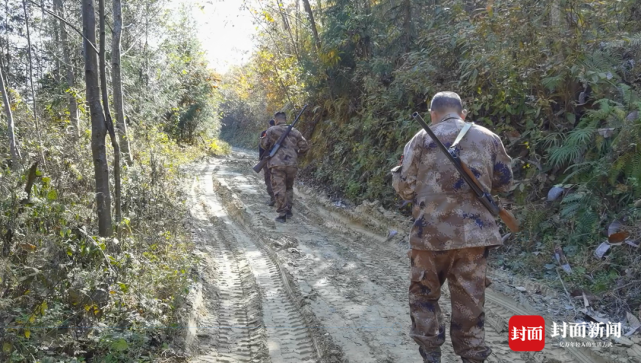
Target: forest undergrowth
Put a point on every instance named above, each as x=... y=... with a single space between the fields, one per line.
x=76 y=286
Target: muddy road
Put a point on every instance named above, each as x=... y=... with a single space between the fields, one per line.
x=330 y=285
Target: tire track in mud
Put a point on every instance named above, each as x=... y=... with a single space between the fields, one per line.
x=383 y=284
x=280 y=328
x=229 y=328
x=361 y=300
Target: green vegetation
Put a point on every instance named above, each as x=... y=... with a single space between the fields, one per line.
x=557 y=79
x=66 y=293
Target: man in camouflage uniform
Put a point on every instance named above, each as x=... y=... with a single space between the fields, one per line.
x=284 y=164
x=453 y=231
x=266 y=171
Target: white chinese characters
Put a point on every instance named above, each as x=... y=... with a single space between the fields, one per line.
x=527 y=333
x=581 y=330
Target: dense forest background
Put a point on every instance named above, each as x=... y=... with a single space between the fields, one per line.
x=558 y=80
x=103 y=104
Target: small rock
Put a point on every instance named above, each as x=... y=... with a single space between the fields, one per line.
x=521 y=288
x=637 y=204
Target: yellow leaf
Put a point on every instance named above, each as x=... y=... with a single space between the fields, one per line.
x=6 y=347
x=27 y=333
x=27 y=247
x=32 y=318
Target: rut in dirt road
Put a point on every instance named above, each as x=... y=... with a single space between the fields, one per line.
x=255 y=318
x=353 y=280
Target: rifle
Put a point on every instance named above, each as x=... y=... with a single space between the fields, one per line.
x=484 y=197
x=282 y=137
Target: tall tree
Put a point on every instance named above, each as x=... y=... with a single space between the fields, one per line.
x=33 y=88
x=15 y=153
x=73 y=104
x=407 y=24
x=312 y=23
x=105 y=104
x=98 y=124
x=288 y=28
x=116 y=83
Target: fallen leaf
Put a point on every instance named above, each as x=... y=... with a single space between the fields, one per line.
x=512 y=135
x=634 y=323
x=637 y=204
x=631 y=243
x=632 y=116
x=617 y=232
x=601 y=250
x=27 y=247
x=585 y=301
x=504 y=238
x=592 y=316
x=606 y=132
x=554 y=193
x=623 y=341
x=521 y=288
x=567 y=268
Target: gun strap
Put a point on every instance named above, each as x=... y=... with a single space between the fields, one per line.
x=461 y=134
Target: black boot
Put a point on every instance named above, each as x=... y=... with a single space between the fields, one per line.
x=469 y=360
x=281 y=219
x=432 y=356
x=271 y=202
x=289 y=214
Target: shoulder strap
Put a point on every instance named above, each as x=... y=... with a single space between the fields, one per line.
x=462 y=133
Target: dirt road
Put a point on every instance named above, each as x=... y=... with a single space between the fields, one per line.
x=328 y=286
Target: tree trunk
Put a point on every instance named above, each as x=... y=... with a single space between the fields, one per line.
x=105 y=103
x=33 y=89
x=310 y=14
x=407 y=25
x=116 y=83
x=73 y=104
x=15 y=153
x=281 y=10
x=98 y=124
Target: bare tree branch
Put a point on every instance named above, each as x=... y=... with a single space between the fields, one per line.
x=66 y=22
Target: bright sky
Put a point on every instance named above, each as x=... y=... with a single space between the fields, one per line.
x=226 y=31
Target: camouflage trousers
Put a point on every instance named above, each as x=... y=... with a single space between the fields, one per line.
x=464 y=269
x=268 y=182
x=283 y=186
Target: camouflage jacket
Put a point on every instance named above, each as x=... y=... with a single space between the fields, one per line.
x=293 y=145
x=446 y=212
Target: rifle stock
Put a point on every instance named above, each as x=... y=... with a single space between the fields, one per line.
x=261 y=164
x=506 y=216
